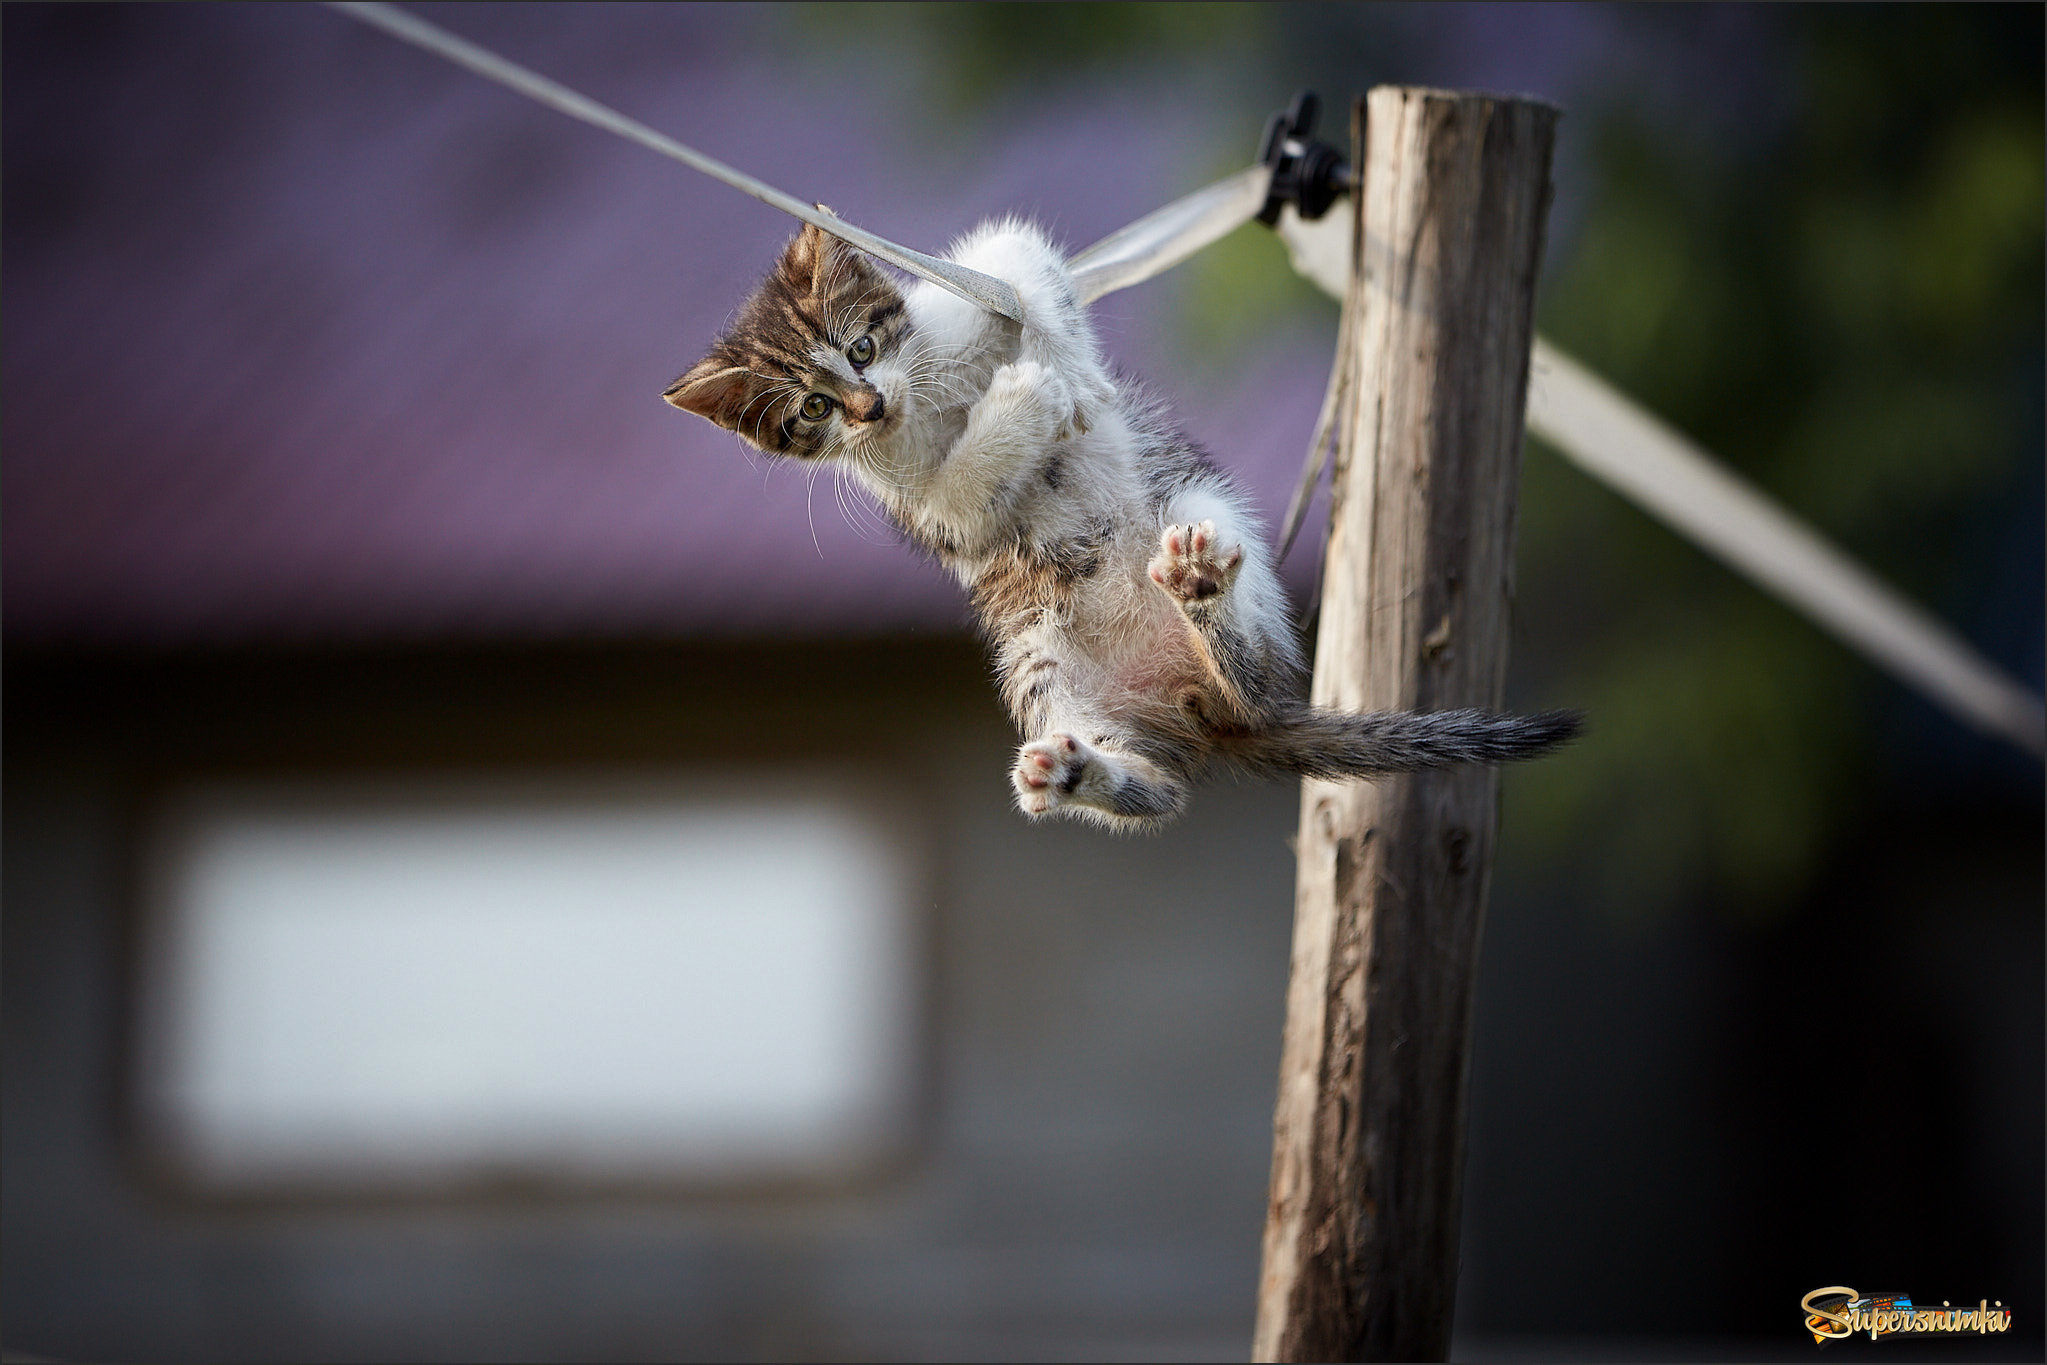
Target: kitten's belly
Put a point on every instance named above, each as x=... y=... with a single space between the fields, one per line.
x=1147 y=655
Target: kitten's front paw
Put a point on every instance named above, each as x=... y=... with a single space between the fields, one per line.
x=1195 y=562
x=1029 y=394
x=1048 y=771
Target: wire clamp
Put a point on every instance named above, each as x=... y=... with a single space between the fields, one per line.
x=1308 y=174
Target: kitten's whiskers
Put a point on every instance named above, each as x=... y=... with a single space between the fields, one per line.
x=837 y=332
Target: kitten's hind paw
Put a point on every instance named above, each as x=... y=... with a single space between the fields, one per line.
x=1049 y=771
x=1195 y=562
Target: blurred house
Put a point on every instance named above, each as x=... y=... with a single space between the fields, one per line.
x=495 y=871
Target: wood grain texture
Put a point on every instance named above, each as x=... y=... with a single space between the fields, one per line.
x=1360 y=1255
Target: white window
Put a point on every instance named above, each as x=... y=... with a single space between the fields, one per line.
x=596 y=981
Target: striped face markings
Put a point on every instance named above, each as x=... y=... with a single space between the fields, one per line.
x=790 y=375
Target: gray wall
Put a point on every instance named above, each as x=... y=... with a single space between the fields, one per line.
x=1105 y=1023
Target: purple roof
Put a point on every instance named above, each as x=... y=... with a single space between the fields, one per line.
x=311 y=336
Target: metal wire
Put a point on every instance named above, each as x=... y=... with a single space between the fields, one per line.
x=1165 y=237
x=985 y=290
x=1613 y=439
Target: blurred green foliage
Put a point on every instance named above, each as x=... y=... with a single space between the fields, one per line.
x=988 y=54
x=1850 y=312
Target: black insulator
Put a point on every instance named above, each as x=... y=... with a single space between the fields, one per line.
x=1308 y=174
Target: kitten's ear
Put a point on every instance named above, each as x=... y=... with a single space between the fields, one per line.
x=713 y=388
x=814 y=260
x=802 y=256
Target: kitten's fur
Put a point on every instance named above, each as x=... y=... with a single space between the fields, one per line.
x=1140 y=631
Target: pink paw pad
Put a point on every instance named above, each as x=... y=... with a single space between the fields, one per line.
x=1194 y=562
x=1047 y=770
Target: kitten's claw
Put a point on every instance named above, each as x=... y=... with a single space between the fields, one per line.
x=1088 y=405
x=1195 y=562
x=1048 y=771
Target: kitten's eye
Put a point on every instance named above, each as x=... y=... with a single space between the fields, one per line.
x=861 y=351
x=816 y=406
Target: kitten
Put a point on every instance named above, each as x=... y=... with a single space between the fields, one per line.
x=1140 y=631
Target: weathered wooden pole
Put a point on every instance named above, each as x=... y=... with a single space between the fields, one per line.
x=1368 y=1140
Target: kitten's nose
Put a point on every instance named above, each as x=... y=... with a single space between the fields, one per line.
x=864 y=405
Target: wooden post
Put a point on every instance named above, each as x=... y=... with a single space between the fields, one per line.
x=1368 y=1140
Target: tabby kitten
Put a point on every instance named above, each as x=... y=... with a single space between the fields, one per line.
x=1140 y=632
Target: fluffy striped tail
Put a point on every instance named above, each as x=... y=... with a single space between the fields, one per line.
x=1317 y=743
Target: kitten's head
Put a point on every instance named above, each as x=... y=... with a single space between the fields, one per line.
x=814 y=364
